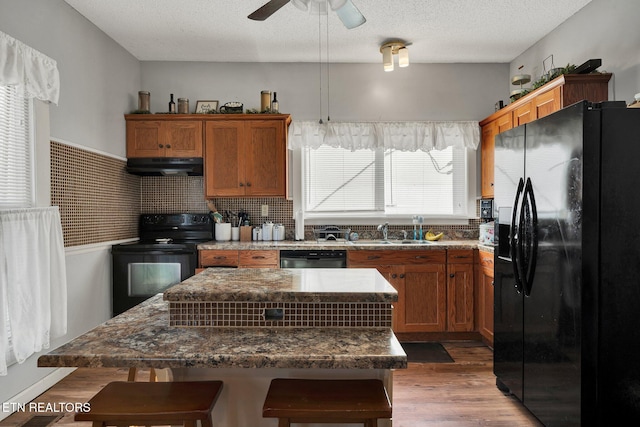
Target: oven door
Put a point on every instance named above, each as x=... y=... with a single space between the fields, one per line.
x=140 y=272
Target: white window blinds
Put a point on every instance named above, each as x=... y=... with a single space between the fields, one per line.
x=16 y=149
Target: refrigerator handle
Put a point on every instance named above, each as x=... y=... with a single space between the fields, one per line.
x=515 y=239
x=533 y=227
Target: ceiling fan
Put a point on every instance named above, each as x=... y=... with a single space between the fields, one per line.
x=345 y=9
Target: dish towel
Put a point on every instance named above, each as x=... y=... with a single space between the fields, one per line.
x=33 y=282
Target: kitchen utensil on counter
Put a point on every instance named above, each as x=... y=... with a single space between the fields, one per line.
x=267 y=230
x=235 y=233
x=223 y=232
x=278 y=232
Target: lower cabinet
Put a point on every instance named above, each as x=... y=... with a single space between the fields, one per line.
x=460 y=287
x=420 y=279
x=238 y=258
x=485 y=296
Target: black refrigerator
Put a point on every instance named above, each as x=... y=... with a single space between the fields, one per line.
x=567 y=265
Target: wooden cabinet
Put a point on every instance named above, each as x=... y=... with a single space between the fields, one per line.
x=245 y=157
x=558 y=93
x=217 y=258
x=460 y=288
x=163 y=138
x=239 y=258
x=485 y=287
x=259 y=259
x=419 y=278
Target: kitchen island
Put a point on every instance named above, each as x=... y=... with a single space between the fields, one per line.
x=246 y=327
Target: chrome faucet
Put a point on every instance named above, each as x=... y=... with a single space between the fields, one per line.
x=385 y=230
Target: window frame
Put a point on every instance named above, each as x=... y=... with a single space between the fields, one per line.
x=372 y=218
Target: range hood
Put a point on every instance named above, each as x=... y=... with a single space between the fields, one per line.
x=165 y=166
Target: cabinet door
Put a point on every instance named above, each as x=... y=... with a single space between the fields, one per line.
x=487 y=149
x=144 y=139
x=547 y=103
x=265 y=151
x=485 y=295
x=460 y=297
x=183 y=138
x=224 y=159
x=524 y=114
x=425 y=298
x=395 y=277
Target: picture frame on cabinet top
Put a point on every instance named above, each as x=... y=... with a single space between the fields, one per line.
x=204 y=107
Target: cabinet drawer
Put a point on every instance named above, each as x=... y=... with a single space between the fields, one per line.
x=394 y=257
x=460 y=256
x=259 y=259
x=218 y=258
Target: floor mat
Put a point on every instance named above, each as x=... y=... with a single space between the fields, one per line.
x=426 y=352
x=41 y=420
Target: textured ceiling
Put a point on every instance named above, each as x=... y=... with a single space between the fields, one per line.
x=439 y=31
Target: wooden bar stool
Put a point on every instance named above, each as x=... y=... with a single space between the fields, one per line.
x=123 y=403
x=326 y=401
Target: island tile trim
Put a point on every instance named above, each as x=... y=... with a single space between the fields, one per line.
x=294 y=314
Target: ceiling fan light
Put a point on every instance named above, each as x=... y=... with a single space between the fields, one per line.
x=336 y=4
x=387 y=58
x=301 y=4
x=348 y=13
x=403 y=57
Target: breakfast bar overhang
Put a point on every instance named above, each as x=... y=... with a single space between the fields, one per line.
x=248 y=326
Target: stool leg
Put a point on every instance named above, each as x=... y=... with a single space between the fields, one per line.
x=132 y=374
x=284 y=422
x=207 y=422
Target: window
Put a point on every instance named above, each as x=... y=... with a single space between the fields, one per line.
x=16 y=149
x=340 y=182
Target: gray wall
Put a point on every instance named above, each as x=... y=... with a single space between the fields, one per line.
x=356 y=91
x=98 y=83
x=605 y=29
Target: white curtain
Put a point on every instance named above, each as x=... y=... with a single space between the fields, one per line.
x=403 y=136
x=29 y=70
x=33 y=282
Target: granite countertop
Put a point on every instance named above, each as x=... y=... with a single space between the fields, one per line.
x=141 y=337
x=351 y=246
x=285 y=285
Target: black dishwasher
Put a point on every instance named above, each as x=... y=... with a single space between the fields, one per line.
x=313 y=259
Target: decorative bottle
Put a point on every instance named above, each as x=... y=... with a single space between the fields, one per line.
x=274 y=104
x=172 y=105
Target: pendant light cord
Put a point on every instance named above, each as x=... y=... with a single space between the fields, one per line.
x=320 y=67
x=328 y=79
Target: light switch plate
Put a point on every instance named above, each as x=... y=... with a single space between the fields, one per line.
x=264 y=210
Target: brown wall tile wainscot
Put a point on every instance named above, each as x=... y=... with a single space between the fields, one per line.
x=99 y=201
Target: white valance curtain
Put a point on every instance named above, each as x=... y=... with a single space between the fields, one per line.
x=403 y=136
x=28 y=69
x=33 y=282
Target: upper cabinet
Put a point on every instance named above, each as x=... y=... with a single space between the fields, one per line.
x=163 y=137
x=246 y=156
x=558 y=93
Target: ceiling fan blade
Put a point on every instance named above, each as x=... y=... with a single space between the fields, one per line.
x=350 y=15
x=267 y=10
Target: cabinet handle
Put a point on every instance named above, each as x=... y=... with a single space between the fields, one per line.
x=258 y=257
x=493 y=283
x=461 y=256
x=220 y=257
x=393 y=276
x=168 y=145
x=492 y=184
x=452 y=275
x=160 y=145
x=248 y=184
x=373 y=257
x=402 y=276
x=242 y=184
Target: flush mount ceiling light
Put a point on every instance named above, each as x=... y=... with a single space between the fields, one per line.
x=391 y=48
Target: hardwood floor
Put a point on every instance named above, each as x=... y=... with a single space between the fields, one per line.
x=460 y=394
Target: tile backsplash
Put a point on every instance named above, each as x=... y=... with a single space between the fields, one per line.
x=184 y=194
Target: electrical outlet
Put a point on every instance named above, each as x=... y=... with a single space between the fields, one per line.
x=264 y=210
